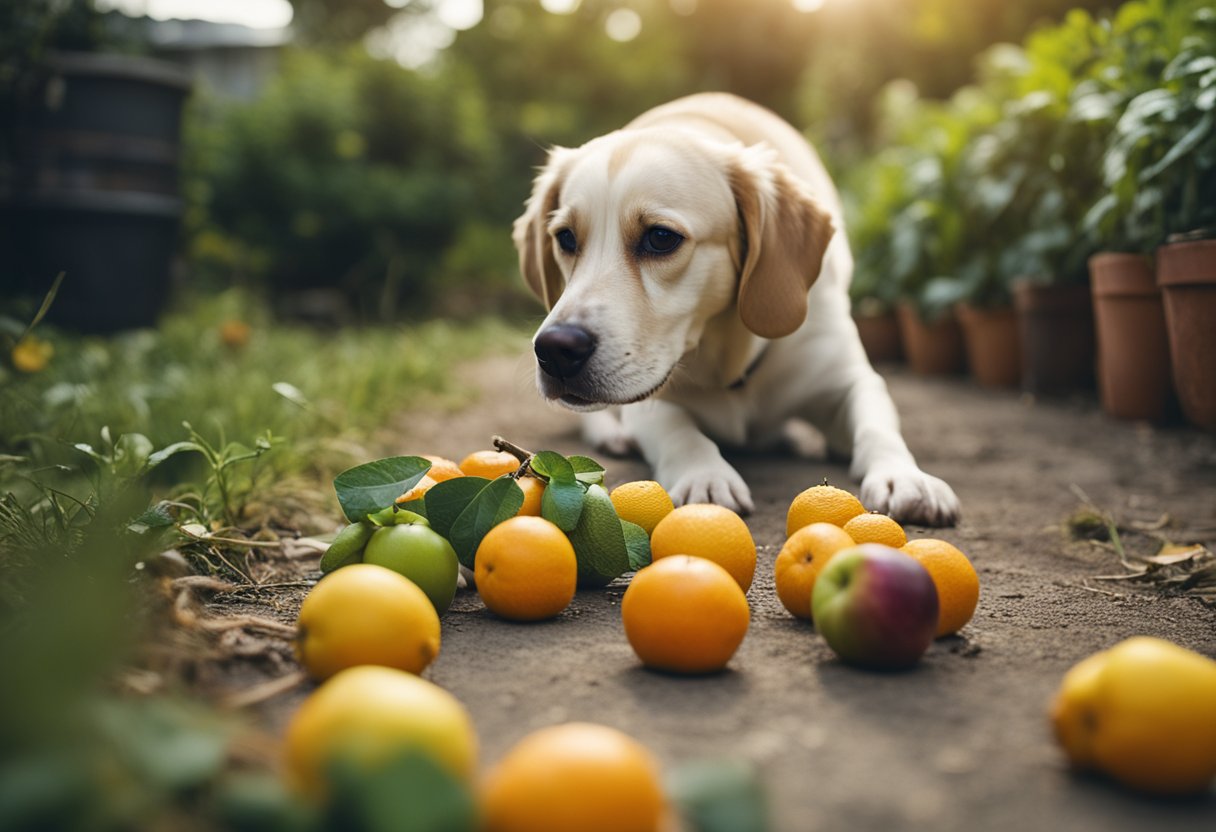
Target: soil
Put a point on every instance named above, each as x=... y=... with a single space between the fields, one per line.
x=960 y=742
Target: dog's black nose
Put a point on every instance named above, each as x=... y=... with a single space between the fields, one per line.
x=563 y=349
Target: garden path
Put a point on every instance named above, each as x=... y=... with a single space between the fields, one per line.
x=962 y=741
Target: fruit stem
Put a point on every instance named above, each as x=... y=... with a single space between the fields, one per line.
x=522 y=454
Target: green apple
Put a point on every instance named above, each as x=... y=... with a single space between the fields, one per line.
x=420 y=554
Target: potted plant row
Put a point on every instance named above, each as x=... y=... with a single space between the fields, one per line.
x=1070 y=193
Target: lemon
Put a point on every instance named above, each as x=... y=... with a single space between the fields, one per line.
x=369 y=715
x=366 y=614
x=1143 y=712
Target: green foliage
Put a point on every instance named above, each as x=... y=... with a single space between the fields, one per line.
x=464 y=509
x=347 y=172
x=368 y=488
x=1095 y=134
x=318 y=391
x=1160 y=163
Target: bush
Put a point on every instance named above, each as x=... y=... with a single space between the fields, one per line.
x=347 y=172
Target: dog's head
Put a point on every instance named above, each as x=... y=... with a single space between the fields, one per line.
x=637 y=239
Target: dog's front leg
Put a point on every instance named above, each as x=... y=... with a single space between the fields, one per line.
x=685 y=461
x=867 y=424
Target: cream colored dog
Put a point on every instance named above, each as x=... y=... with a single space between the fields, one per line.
x=695 y=277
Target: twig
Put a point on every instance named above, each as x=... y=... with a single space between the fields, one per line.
x=248 y=621
x=204 y=582
x=264 y=691
x=1100 y=591
x=219 y=554
x=284 y=585
x=522 y=454
x=232 y=541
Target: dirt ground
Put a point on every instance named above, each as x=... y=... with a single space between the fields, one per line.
x=962 y=741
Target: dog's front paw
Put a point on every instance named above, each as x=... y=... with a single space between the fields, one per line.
x=910 y=495
x=719 y=484
x=603 y=431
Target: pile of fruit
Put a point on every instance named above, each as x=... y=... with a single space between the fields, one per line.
x=533 y=528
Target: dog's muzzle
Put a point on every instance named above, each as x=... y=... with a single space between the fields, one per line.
x=562 y=350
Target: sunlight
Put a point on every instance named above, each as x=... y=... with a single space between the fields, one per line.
x=258 y=14
x=460 y=14
x=560 y=6
x=623 y=25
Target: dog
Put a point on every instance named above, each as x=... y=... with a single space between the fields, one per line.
x=696 y=274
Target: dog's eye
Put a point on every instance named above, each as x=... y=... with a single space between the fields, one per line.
x=567 y=240
x=660 y=240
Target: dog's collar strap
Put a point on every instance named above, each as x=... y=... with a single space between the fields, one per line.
x=738 y=383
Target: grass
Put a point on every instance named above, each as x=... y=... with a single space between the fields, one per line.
x=220 y=373
x=279 y=411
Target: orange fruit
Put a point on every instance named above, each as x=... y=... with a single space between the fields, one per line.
x=801 y=560
x=419 y=490
x=489 y=464
x=958 y=586
x=576 y=776
x=525 y=569
x=442 y=469
x=685 y=614
x=711 y=532
x=533 y=490
x=643 y=502
x=368 y=716
x=873 y=527
x=822 y=504
x=366 y=614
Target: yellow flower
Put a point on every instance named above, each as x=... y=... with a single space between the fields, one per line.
x=32 y=354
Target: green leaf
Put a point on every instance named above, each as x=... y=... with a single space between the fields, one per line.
x=347 y=547
x=599 y=540
x=158 y=516
x=587 y=470
x=445 y=500
x=498 y=501
x=408 y=793
x=549 y=464
x=173 y=450
x=561 y=503
x=372 y=486
x=719 y=796
x=47 y=300
x=637 y=542
x=1201 y=131
x=131 y=454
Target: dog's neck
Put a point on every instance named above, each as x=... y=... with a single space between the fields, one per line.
x=726 y=354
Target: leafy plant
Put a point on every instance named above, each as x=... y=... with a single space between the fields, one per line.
x=1160 y=163
x=464 y=509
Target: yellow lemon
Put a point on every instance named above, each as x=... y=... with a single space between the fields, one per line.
x=1143 y=712
x=369 y=715
x=366 y=614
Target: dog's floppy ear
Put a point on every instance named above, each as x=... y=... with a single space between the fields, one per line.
x=536 y=261
x=785 y=235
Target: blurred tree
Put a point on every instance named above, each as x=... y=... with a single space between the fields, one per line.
x=758 y=50
x=344 y=21
x=348 y=172
x=857 y=47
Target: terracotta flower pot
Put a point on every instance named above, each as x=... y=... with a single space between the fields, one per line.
x=1133 y=349
x=880 y=336
x=1186 y=272
x=932 y=348
x=993 y=349
x=1056 y=325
